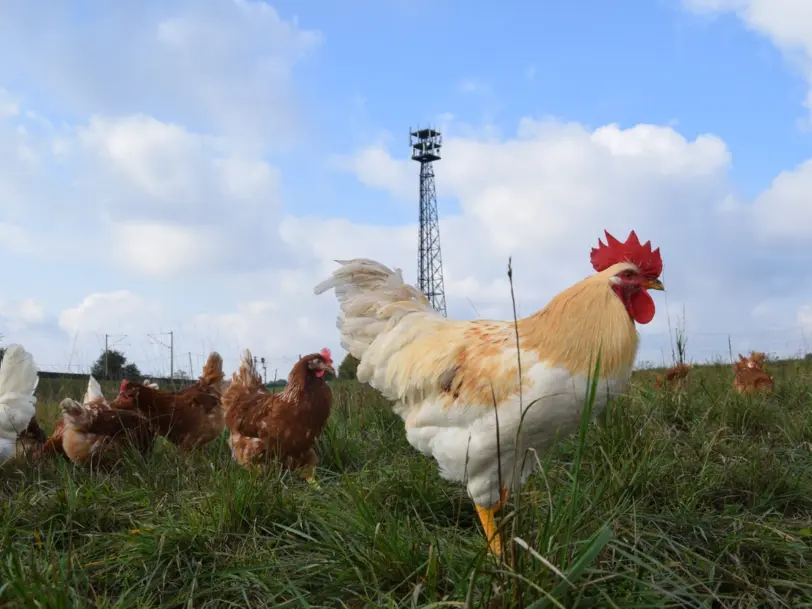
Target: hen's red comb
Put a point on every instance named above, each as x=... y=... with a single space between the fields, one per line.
x=123 y=386
x=325 y=353
x=648 y=261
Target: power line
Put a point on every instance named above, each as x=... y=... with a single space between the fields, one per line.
x=170 y=346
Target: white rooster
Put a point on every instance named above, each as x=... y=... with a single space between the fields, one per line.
x=451 y=379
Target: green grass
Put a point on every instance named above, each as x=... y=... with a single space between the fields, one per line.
x=699 y=498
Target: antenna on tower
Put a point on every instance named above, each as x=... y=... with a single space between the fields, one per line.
x=425 y=145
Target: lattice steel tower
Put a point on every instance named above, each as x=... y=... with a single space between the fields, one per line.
x=426 y=144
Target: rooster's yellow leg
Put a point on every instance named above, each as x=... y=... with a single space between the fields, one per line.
x=488 y=520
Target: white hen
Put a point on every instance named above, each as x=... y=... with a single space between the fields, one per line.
x=18 y=381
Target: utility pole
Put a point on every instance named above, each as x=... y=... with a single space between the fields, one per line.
x=170 y=346
x=191 y=370
x=264 y=370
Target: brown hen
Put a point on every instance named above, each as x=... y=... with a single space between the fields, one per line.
x=281 y=425
x=674 y=377
x=98 y=434
x=750 y=375
x=188 y=418
x=53 y=446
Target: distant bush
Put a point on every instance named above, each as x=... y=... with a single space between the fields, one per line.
x=348 y=370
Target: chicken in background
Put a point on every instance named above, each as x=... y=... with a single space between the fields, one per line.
x=452 y=379
x=674 y=377
x=750 y=375
x=20 y=432
x=99 y=434
x=282 y=425
x=53 y=446
x=756 y=360
x=188 y=418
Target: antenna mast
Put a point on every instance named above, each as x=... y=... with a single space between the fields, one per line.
x=425 y=145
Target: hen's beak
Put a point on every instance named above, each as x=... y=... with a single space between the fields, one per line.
x=330 y=369
x=653 y=284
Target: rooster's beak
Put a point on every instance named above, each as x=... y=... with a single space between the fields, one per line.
x=654 y=284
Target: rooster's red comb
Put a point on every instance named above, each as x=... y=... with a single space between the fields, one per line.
x=325 y=353
x=648 y=261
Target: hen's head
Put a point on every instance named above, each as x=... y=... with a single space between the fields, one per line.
x=129 y=390
x=635 y=268
x=33 y=432
x=756 y=359
x=320 y=363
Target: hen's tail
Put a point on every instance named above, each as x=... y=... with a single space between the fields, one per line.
x=372 y=298
x=245 y=380
x=94 y=392
x=103 y=421
x=213 y=370
x=247 y=375
x=18 y=381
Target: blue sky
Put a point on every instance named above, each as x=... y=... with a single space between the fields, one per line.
x=196 y=166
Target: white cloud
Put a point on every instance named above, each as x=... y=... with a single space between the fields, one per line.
x=162 y=199
x=172 y=171
x=19 y=315
x=474 y=85
x=98 y=312
x=375 y=168
x=160 y=250
x=225 y=65
x=787 y=23
x=784 y=211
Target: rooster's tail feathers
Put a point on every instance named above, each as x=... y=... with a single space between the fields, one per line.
x=213 y=370
x=371 y=297
x=18 y=381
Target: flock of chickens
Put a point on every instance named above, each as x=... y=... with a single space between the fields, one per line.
x=749 y=375
x=97 y=432
x=474 y=395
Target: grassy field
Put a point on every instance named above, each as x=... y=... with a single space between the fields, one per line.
x=697 y=498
